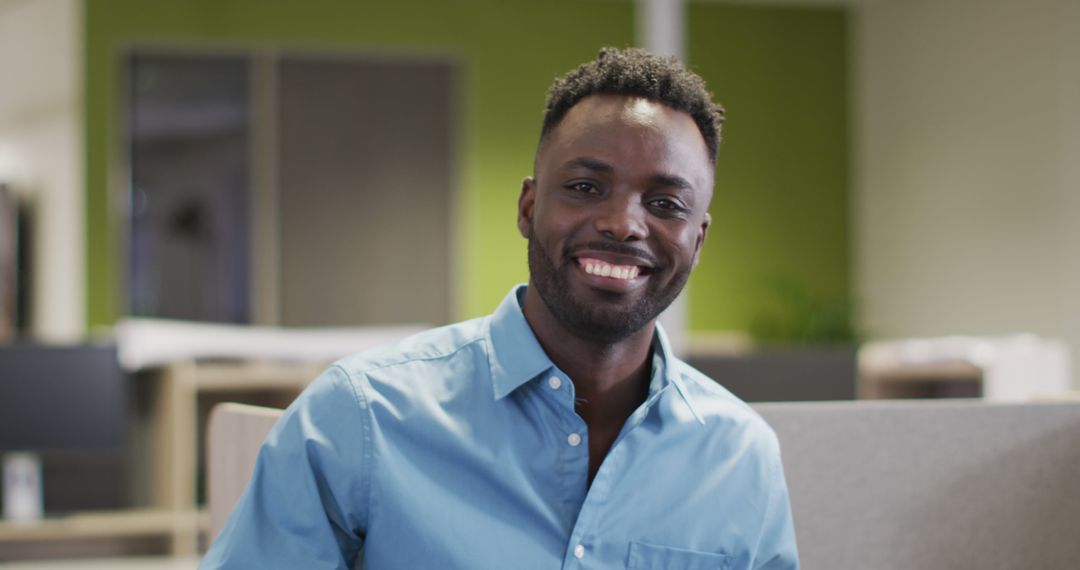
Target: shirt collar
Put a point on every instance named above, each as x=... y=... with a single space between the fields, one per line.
x=517 y=357
x=671 y=373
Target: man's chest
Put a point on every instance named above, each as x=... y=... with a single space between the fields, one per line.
x=513 y=492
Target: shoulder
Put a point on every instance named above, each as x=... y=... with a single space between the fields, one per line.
x=434 y=344
x=718 y=407
x=454 y=352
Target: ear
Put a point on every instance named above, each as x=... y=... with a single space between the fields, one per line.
x=525 y=205
x=704 y=229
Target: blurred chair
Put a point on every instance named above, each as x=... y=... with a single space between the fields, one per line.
x=235 y=434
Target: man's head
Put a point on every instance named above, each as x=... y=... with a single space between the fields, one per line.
x=616 y=211
x=637 y=73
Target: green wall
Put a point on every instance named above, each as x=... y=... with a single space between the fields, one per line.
x=509 y=53
x=781 y=202
x=780 y=210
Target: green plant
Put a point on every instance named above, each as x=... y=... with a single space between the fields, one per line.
x=794 y=315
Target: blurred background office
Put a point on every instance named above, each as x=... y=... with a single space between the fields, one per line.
x=892 y=172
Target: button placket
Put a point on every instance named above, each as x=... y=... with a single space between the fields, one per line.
x=595 y=501
x=573 y=462
x=558 y=388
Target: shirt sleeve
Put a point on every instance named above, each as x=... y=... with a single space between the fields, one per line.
x=306 y=503
x=776 y=547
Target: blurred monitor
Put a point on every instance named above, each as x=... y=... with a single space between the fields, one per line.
x=69 y=405
x=61 y=398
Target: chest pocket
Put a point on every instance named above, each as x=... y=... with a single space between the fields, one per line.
x=653 y=557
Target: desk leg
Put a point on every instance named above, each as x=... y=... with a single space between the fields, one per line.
x=175 y=466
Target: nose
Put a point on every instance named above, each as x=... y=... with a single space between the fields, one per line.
x=622 y=220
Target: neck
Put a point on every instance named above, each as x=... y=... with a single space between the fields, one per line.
x=610 y=378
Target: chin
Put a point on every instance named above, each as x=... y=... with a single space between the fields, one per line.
x=600 y=315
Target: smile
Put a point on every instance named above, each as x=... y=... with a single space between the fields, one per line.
x=604 y=269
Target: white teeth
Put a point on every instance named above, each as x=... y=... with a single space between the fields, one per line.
x=624 y=272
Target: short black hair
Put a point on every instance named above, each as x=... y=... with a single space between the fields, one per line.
x=637 y=73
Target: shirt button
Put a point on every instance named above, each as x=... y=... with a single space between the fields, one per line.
x=574 y=440
x=579 y=551
x=554 y=382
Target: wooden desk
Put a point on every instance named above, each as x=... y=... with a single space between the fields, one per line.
x=173 y=449
x=110 y=532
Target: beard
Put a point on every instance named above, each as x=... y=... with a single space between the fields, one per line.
x=601 y=322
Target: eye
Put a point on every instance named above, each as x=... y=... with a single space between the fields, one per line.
x=583 y=187
x=668 y=205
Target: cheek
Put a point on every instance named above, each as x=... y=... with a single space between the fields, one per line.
x=556 y=225
x=683 y=244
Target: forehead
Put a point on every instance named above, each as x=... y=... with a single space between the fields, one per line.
x=631 y=133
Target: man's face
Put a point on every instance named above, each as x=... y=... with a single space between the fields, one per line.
x=616 y=213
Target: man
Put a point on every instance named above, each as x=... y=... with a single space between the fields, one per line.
x=560 y=431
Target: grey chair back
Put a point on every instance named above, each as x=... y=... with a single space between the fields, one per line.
x=945 y=484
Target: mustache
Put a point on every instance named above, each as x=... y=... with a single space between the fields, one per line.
x=613 y=247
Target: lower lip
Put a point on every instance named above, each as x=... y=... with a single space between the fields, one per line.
x=611 y=283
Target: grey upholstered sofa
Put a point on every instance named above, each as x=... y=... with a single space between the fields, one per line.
x=885 y=485
x=932 y=484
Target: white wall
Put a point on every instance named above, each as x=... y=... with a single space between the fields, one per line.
x=967 y=167
x=41 y=151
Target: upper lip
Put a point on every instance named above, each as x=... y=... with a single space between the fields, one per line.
x=621 y=257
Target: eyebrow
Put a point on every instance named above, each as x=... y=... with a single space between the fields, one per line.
x=659 y=180
x=589 y=163
x=671 y=181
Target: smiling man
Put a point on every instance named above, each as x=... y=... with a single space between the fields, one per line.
x=560 y=431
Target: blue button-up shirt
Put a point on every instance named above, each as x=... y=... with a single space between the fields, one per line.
x=460 y=448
